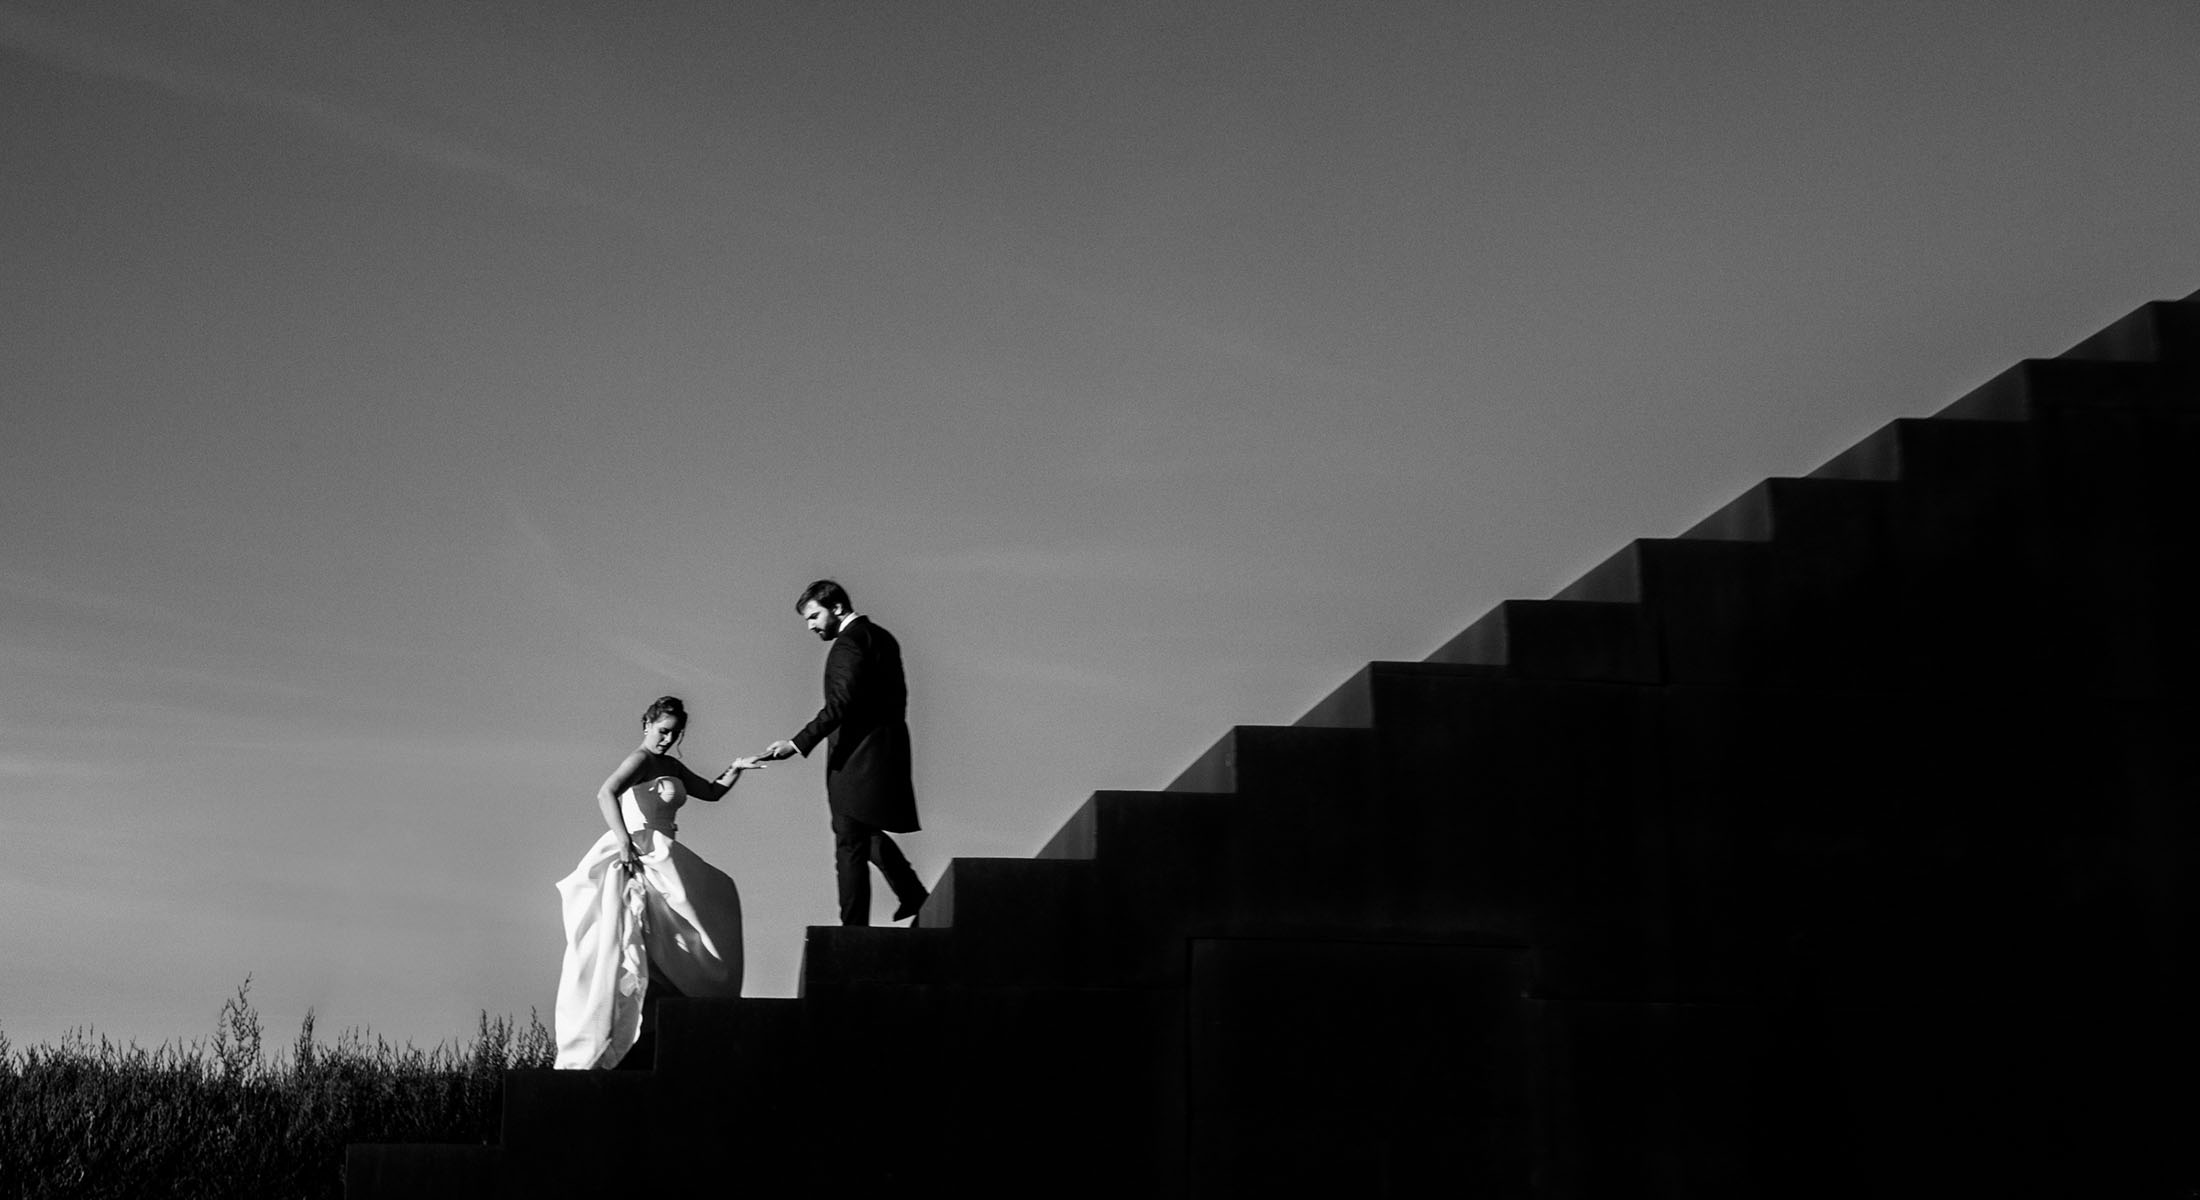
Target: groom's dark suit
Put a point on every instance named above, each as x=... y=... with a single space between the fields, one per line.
x=867 y=765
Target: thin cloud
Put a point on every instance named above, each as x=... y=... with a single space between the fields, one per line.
x=92 y=666
x=43 y=590
x=115 y=607
x=107 y=57
x=547 y=564
x=1047 y=563
x=542 y=557
x=638 y=653
x=60 y=770
x=167 y=731
x=1059 y=674
x=1175 y=568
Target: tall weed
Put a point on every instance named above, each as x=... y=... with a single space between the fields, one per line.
x=94 y=1118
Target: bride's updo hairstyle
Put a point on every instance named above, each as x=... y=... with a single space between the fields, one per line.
x=668 y=706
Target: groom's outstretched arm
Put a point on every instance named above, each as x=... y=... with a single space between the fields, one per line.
x=842 y=666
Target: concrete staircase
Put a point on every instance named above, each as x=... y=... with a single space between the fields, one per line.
x=1844 y=845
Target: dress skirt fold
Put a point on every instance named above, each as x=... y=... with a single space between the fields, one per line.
x=679 y=915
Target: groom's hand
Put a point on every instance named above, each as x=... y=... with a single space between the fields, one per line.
x=778 y=750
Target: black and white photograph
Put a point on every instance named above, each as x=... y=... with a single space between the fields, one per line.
x=1552 y=599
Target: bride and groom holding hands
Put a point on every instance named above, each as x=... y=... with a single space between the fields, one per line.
x=642 y=912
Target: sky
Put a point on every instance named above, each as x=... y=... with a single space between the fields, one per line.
x=399 y=396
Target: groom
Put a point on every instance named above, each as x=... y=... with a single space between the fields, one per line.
x=864 y=725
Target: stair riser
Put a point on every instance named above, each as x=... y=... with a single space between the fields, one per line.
x=1121 y=919
x=1393 y=1026
x=1002 y=1091
x=1841 y=518
x=1661 y=841
x=1787 y=617
x=421 y=1172
x=2048 y=389
x=1030 y=921
x=1280 y=762
x=836 y=955
x=1952 y=456
x=2163 y=331
x=547 y=1111
x=1560 y=639
x=1107 y=819
x=703 y=1041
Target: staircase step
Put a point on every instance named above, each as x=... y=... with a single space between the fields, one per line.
x=421 y=1171
x=990 y=922
x=2041 y=388
x=725 y=1038
x=838 y=955
x=2161 y=331
x=1946 y=453
x=1694 y=594
x=1431 y=1043
x=1163 y=867
x=1351 y=705
x=1173 y=865
x=1848 y=514
x=1002 y=1090
x=548 y=1111
x=1588 y=640
x=1874 y=566
x=1023 y=920
x=985 y=894
x=1657 y=570
x=1280 y=762
x=1116 y=824
x=548 y=1114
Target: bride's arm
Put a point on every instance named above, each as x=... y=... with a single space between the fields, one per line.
x=607 y=797
x=713 y=789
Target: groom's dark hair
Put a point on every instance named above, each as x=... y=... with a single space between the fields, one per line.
x=826 y=595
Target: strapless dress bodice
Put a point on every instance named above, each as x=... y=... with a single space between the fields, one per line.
x=652 y=803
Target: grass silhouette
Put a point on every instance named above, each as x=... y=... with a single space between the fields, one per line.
x=226 y=1117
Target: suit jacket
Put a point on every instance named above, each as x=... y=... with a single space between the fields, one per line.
x=866 y=730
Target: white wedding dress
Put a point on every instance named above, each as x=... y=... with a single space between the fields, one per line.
x=680 y=916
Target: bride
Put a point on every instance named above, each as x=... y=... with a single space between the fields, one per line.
x=642 y=910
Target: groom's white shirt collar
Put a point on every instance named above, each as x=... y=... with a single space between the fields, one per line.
x=846 y=621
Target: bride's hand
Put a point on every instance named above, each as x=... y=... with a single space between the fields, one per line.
x=745 y=764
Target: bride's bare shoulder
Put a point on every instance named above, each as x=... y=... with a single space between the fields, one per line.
x=633 y=769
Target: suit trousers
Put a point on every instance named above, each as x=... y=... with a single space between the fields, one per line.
x=857 y=845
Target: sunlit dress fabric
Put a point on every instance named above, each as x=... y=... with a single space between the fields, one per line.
x=679 y=915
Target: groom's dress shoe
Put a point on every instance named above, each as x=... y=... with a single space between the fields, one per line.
x=909 y=908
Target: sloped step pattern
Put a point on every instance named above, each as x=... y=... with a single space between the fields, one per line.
x=1734 y=868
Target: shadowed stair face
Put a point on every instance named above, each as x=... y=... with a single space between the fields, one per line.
x=1281 y=762
x=422 y=1172
x=1591 y=641
x=1847 y=844
x=2162 y=331
x=1433 y=1044
x=837 y=955
x=1839 y=518
x=2053 y=389
x=710 y=1039
x=1021 y=920
x=1117 y=825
